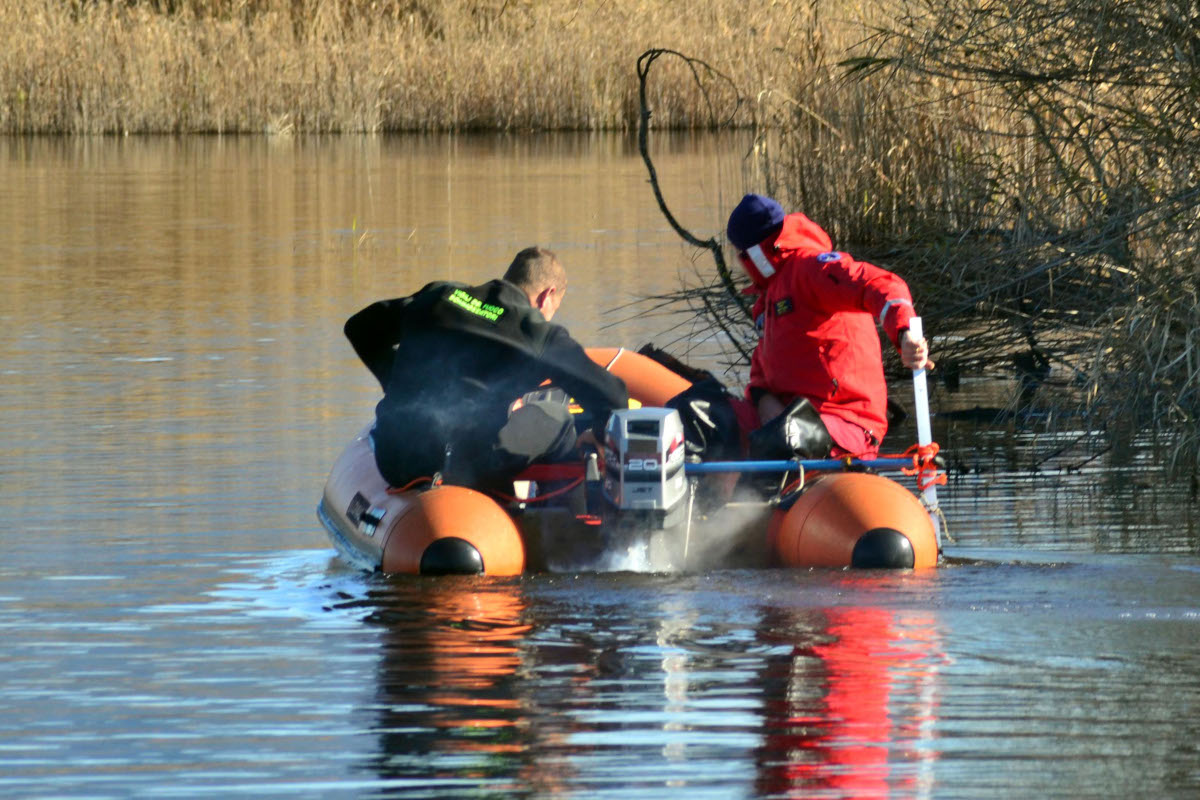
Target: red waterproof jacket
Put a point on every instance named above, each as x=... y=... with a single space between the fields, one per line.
x=818 y=312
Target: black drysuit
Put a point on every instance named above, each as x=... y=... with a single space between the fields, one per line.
x=451 y=360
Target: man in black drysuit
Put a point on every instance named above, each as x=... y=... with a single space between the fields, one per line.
x=452 y=360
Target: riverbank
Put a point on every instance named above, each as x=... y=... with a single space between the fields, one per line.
x=278 y=66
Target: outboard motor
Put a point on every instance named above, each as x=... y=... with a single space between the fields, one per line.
x=644 y=480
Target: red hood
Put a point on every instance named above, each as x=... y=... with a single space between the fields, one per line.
x=799 y=235
x=802 y=234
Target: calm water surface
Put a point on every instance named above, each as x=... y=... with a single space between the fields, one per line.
x=174 y=622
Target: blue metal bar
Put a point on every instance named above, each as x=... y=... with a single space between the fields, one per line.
x=712 y=467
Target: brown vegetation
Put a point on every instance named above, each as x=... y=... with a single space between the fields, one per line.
x=106 y=66
x=1033 y=168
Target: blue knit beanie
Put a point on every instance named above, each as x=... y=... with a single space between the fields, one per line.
x=754 y=219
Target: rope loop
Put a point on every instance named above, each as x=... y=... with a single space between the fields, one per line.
x=924 y=466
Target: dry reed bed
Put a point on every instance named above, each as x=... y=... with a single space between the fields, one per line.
x=330 y=65
x=1033 y=168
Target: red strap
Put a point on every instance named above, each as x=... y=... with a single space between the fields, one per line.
x=551 y=472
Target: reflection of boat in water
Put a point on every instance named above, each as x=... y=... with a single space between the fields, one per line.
x=630 y=506
x=853 y=700
x=530 y=687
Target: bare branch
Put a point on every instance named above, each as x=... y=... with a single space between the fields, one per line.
x=645 y=61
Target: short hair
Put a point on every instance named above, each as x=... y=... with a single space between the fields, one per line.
x=535 y=269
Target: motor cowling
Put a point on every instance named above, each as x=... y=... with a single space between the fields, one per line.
x=644 y=463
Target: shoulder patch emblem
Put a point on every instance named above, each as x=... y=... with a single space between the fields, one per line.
x=783 y=306
x=825 y=258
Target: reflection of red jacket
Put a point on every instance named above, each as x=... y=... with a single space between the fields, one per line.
x=818 y=336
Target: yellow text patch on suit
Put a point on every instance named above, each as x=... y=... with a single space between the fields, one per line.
x=475 y=306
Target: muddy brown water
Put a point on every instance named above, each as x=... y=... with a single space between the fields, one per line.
x=175 y=623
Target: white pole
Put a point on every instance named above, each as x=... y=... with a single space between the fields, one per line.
x=924 y=431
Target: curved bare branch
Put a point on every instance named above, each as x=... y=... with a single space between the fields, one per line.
x=645 y=61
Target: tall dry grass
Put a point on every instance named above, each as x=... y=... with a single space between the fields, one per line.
x=98 y=66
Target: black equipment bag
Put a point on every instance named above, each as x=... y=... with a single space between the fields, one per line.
x=797 y=433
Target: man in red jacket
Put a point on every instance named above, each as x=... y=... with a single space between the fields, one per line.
x=817 y=309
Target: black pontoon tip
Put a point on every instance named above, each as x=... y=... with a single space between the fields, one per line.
x=451 y=556
x=885 y=548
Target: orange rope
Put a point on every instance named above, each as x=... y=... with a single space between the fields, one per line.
x=510 y=498
x=541 y=497
x=923 y=465
x=409 y=485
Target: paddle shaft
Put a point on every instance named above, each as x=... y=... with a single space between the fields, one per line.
x=924 y=429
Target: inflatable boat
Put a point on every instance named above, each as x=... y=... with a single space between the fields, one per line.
x=635 y=504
